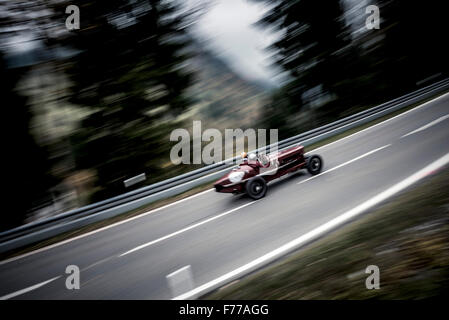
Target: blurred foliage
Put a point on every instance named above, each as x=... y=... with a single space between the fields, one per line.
x=223 y=99
x=314 y=32
x=348 y=69
x=129 y=73
x=125 y=66
x=96 y=106
x=27 y=165
x=26 y=176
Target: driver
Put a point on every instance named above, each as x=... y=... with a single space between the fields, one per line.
x=253 y=160
x=249 y=159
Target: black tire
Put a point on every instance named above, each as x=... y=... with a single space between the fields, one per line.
x=314 y=164
x=256 y=188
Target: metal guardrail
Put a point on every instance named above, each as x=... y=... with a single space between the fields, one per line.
x=49 y=227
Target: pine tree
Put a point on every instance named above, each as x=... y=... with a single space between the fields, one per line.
x=313 y=34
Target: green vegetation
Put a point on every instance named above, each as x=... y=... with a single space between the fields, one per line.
x=407 y=238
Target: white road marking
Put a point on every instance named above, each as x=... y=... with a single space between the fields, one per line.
x=174 y=273
x=427 y=125
x=198 y=194
x=103 y=228
x=326 y=227
x=185 y=229
x=20 y=292
x=345 y=163
x=383 y=122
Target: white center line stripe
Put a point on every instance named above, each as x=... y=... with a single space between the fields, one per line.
x=346 y=163
x=185 y=229
x=36 y=286
x=427 y=125
x=178 y=271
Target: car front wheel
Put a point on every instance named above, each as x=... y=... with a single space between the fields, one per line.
x=256 y=188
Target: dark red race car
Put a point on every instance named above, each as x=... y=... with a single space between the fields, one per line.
x=252 y=175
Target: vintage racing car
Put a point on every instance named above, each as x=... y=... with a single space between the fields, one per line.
x=252 y=175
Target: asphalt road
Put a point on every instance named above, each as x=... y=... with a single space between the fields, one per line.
x=215 y=233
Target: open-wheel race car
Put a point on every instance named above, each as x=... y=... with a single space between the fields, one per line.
x=255 y=171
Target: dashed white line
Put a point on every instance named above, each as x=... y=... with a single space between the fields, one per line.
x=383 y=122
x=174 y=273
x=345 y=163
x=103 y=228
x=427 y=125
x=20 y=292
x=171 y=235
x=326 y=227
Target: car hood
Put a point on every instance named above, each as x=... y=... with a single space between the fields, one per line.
x=249 y=172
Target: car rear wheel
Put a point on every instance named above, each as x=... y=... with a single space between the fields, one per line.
x=314 y=164
x=256 y=188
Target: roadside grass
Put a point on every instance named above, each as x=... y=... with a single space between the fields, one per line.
x=407 y=238
x=186 y=194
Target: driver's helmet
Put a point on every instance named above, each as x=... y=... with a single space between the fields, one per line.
x=244 y=155
x=252 y=157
